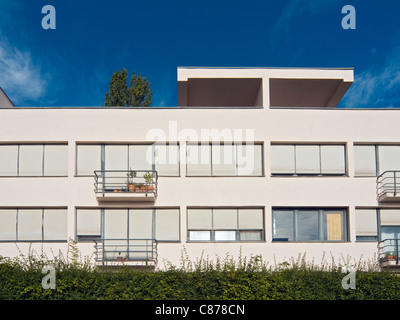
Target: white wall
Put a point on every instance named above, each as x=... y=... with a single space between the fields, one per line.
x=107 y=125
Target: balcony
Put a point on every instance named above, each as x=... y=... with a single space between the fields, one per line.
x=388 y=254
x=126 y=185
x=126 y=252
x=388 y=186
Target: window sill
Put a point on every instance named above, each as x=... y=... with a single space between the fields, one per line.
x=316 y=241
x=33 y=177
x=225 y=241
x=309 y=175
x=33 y=241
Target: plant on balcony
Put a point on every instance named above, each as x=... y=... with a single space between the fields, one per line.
x=129 y=181
x=140 y=187
x=148 y=177
x=390 y=255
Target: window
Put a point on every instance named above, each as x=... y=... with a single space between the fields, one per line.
x=88 y=159
x=141 y=224
x=373 y=160
x=33 y=225
x=147 y=223
x=309 y=224
x=377 y=224
x=8 y=160
x=88 y=223
x=166 y=159
x=8 y=225
x=54 y=224
x=389 y=158
x=304 y=159
x=55 y=160
x=366 y=225
x=198 y=160
x=218 y=224
x=307 y=159
x=249 y=159
x=30 y=160
x=282 y=159
x=224 y=160
x=141 y=157
x=163 y=158
x=167 y=225
x=364 y=161
x=332 y=159
x=389 y=217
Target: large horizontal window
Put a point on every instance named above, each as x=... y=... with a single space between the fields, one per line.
x=164 y=158
x=217 y=224
x=33 y=224
x=224 y=159
x=309 y=224
x=373 y=160
x=32 y=160
x=136 y=224
x=377 y=224
x=308 y=159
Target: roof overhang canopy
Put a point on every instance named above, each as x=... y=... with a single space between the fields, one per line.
x=245 y=87
x=307 y=92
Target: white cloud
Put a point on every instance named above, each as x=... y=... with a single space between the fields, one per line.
x=378 y=87
x=20 y=77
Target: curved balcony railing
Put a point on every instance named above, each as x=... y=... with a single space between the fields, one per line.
x=388 y=186
x=388 y=251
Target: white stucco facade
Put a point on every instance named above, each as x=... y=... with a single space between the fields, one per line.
x=185 y=124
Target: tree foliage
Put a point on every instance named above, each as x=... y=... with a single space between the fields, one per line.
x=137 y=94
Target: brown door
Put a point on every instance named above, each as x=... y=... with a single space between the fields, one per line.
x=334 y=226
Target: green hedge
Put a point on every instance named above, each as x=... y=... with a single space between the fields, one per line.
x=293 y=283
x=21 y=279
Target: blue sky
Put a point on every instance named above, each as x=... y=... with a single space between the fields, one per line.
x=72 y=65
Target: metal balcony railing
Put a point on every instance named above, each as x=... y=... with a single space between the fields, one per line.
x=388 y=250
x=126 y=250
x=126 y=181
x=388 y=185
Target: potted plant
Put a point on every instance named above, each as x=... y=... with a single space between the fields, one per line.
x=140 y=187
x=129 y=181
x=119 y=258
x=148 y=177
x=390 y=255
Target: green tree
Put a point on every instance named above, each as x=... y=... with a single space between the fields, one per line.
x=138 y=94
x=118 y=94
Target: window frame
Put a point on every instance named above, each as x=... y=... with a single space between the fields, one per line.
x=127 y=144
x=235 y=152
x=322 y=211
x=376 y=158
x=237 y=230
x=42 y=229
x=320 y=168
x=88 y=238
x=43 y=160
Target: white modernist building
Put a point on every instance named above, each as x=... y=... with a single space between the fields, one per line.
x=252 y=161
